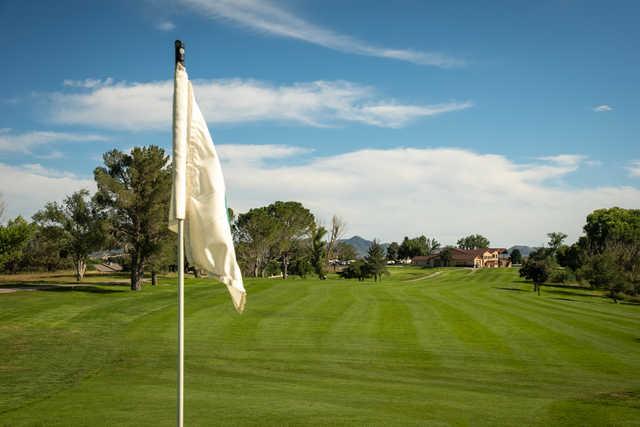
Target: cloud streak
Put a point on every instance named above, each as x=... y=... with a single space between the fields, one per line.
x=602 y=108
x=147 y=106
x=264 y=17
x=26 y=141
x=634 y=169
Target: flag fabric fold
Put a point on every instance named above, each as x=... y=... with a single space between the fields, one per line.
x=198 y=193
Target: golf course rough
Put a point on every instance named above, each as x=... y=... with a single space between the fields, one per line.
x=456 y=348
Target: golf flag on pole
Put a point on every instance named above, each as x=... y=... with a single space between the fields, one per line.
x=198 y=193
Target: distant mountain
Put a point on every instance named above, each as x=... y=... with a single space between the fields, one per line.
x=361 y=245
x=524 y=250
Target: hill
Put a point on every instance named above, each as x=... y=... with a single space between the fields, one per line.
x=460 y=347
x=361 y=245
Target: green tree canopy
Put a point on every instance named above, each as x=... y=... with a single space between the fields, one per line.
x=14 y=238
x=392 y=251
x=376 y=260
x=473 y=241
x=135 y=189
x=81 y=225
x=516 y=256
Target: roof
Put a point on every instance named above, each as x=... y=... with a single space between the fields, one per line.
x=458 y=254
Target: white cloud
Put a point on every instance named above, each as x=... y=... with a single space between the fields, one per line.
x=26 y=188
x=87 y=83
x=165 y=26
x=264 y=17
x=634 y=169
x=445 y=193
x=602 y=108
x=144 y=106
x=24 y=142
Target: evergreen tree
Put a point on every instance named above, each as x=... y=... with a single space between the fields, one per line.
x=135 y=188
x=516 y=256
x=376 y=261
x=318 y=250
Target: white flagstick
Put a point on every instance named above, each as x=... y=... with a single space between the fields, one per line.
x=180 y=322
x=179 y=55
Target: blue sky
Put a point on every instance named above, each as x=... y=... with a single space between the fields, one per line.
x=510 y=119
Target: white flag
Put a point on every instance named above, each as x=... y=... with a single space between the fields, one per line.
x=198 y=193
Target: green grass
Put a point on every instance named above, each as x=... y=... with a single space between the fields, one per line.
x=456 y=348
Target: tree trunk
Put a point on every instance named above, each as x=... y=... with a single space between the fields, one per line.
x=136 y=272
x=80 y=267
x=154 y=278
x=285 y=266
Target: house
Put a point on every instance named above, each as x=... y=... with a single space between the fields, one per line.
x=476 y=258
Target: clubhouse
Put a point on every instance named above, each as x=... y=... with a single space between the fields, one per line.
x=475 y=258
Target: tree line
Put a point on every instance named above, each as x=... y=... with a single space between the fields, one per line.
x=606 y=257
x=130 y=210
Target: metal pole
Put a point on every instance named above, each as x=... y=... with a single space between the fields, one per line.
x=179 y=51
x=180 y=322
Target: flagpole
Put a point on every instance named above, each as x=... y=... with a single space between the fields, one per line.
x=179 y=51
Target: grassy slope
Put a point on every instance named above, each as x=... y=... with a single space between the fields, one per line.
x=461 y=347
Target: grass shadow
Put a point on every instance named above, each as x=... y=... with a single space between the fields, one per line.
x=48 y=287
x=511 y=289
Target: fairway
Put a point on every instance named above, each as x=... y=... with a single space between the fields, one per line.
x=454 y=348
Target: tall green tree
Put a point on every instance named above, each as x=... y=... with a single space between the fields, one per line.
x=376 y=260
x=345 y=252
x=392 y=251
x=135 y=189
x=14 y=238
x=318 y=250
x=417 y=246
x=516 y=256
x=537 y=268
x=81 y=225
x=256 y=234
x=293 y=222
x=556 y=240
x=473 y=241
x=445 y=257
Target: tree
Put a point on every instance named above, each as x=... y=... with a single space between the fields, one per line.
x=135 y=189
x=345 y=252
x=356 y=270
x=256 y=234
x=473 y=241
x=337 y=230
x=376 y=260
x=81 y=225
x=516 y=256
x=14 y=238
x=536 y=268
x=418 y=246
x=392 y=251
x=293 y=222
x=445 y=257
x=615 y=224
x=555 y=241
x=46 y=249
x=318 y=250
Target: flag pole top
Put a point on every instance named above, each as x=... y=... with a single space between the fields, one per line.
x=179 y=52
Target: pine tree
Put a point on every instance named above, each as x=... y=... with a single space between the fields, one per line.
x=135 y=188
x=376 y=260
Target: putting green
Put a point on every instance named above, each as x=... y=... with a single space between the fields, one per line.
x=460 y=347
